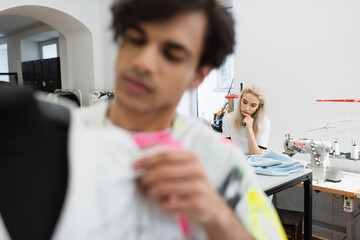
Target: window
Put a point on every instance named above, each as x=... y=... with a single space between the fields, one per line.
x=49 y=48
x=49 y=51
x=4 y=64
x=211 y=93
x=225 y=74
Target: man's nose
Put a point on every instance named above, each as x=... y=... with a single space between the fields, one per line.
x=146 y=60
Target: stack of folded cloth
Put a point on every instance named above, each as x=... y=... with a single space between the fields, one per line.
x=275 y=164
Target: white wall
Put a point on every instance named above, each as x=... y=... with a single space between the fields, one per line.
x=107 y=47
x=300 y=51
x=29 y=50
x=14 y=59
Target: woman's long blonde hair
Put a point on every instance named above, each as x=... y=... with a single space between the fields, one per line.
x=258 y=115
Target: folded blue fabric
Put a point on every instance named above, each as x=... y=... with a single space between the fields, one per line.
x=275 y=164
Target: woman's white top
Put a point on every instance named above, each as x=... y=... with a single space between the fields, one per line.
x=240 y=139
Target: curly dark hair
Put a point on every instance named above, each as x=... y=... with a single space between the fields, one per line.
x=220 y=36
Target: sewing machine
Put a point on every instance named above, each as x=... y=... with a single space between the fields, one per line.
x=318 y=149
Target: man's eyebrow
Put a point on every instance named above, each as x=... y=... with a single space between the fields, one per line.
x=136 y=28
x=178 y=47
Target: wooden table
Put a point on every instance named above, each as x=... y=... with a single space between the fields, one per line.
x=349 y=186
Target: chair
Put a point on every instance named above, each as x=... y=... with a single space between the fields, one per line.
x=292 y=223
x=73 y=95
x=101 y=95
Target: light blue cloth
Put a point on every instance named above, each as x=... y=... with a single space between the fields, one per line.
x=275 y=164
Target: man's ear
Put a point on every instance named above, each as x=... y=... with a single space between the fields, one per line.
x=200 y=75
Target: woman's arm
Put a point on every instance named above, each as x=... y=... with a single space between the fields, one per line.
x=254 y=149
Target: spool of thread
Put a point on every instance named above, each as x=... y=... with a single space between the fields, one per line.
x=354 y=151
x=336 y=148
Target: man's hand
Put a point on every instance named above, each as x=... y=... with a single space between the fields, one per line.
x=178 y=181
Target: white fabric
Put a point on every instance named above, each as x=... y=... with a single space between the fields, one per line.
x=102 y=200
x=240 y=139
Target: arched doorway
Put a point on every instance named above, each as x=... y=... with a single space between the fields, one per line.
x=75 y=41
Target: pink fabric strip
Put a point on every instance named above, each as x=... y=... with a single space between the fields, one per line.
x=184 y=226
x=163 y=138
x=148 y=139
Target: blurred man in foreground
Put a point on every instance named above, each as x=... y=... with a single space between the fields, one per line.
x=137 y=170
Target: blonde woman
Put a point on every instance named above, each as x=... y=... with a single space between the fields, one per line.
x=247 y=126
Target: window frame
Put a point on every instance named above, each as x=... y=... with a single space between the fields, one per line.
x=49 y=42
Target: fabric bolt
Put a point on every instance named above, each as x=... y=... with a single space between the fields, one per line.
x=275 y=164
x=240 y=139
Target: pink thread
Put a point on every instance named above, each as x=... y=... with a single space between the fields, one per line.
x=144 y=140
x=164 y=138
x=184 y=226
x=226 y=140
